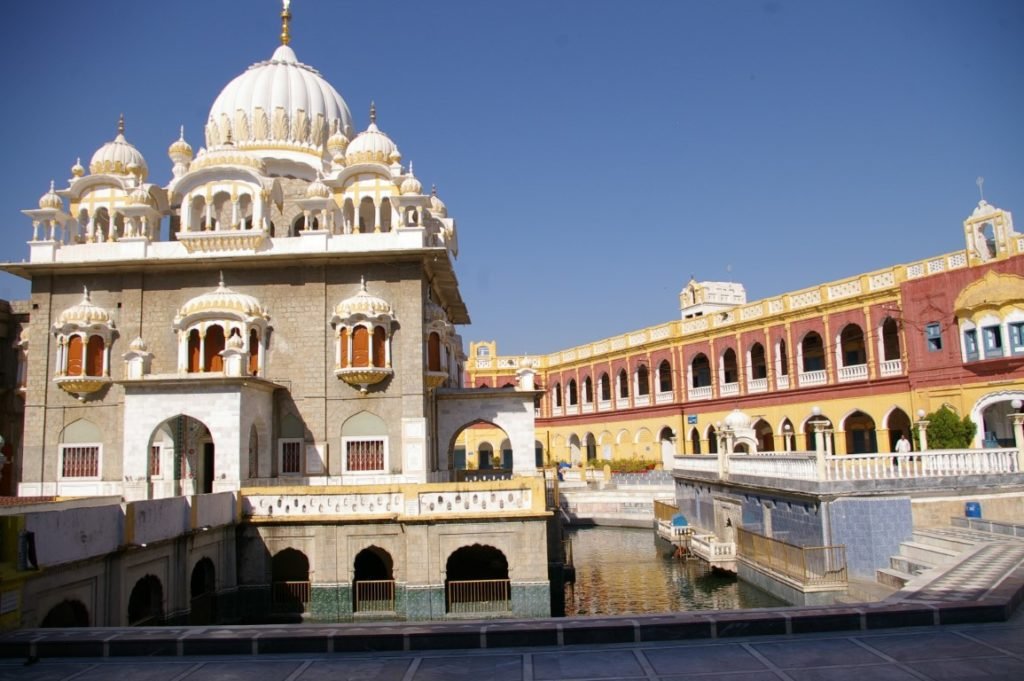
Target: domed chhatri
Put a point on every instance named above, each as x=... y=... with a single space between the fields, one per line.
x=85 y=313
x=51 y=200
x=119 y=157
x=222 y=300
x=372 y=145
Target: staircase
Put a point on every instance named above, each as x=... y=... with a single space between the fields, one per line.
x=930 y=548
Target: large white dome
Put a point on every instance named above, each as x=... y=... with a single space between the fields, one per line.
x=279 y=104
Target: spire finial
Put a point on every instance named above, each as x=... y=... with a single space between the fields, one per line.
x=410 y=168
x=221 y=279
x=85 y=293
x=981 y=186
x=181 y=134
x=51 y=186
x=120 y=124
x=433 y=190
x=373 y=113
x=362 y=282
x=286 y=17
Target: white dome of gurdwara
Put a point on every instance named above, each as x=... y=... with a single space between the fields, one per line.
x=281 y=106
x=119 y=157
x=372 y=145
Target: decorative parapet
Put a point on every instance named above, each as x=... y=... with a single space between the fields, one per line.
x=227 y=240
x=363 y=377
x=81 y=386
x=516 y=496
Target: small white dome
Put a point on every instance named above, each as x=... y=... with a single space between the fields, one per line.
x=85 y=313
x=140 y=197
x=363 y=304
x=737 y=420
x=337 y=143
x=275 y=103
x=372 y=145
x=223 y=300
x=437 y=206
x=115 y=157
x=138 y=345
x=51 y=200
x=410 y=185
x=77 y=170
x=318 y=190
x=180 y=150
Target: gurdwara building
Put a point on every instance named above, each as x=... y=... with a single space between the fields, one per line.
x=274 y=327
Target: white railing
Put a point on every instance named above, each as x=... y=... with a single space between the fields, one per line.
x=757 y=385
x=702 y=393
x=786 y=466
x=892 y=367
x=932 y=464
x=641 y=400
x=855 y=372
x=729 y=389
x=707 y=547
x=622 y=403
x=808 y=378
x=588 y=407
x=782 y=382
x=556 y=411
x=697 y=462
x=663 y=397
x=604 y=405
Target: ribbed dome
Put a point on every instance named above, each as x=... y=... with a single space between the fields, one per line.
x=85 y=313
x=737 y=420
x=437 y=206
x=140 y=197
x=279 y=102
x=372 y=145
x=318 y=190
x=117 y=156
x=77 y=170
x=410 y=185
x=138 y=345
x=180 y=150
x=223 y=300
x=364 y=304
x=51 y=200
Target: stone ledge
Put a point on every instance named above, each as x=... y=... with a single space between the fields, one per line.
x=555 y=632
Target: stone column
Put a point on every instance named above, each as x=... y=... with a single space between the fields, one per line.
x=922 y=431
x=1018 y=437
x=820 y=428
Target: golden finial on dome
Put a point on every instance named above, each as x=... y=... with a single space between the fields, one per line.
x=120 y=125
x=77 y=170
x=373 y=113
x=286 y=16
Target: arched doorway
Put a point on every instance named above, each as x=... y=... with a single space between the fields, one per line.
x=289 y=581
x=591 y=446
x=898 y=425
x=765 y=436
x=203 y=593
x=695 y=441
x=575 y=456
x=67 y=613
x=181 y=458
x=712 y=440
x=667 y=438
x=472 y=449
x=860 y=434
x=146 y=602
x=829 y=435
x=476 y=581
x=996 y=430
x=373 y=582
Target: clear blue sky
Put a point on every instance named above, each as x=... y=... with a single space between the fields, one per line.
x=595 y=154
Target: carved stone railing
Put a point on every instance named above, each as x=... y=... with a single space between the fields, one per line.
x=810 y=378
x=757 y=385
x=701 y=393
x=931 y=464
x=855 y=372
x=786 y=466
x=891 y=367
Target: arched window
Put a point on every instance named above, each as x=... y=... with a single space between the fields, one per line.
x=379 y=343
x=700 y=371
x=758 y=366
x=623 y=384
x=434 y=352
x=213 y=345
x=643 y=380
x=664 y=377
x=783 y=358
x=363 y=324
x=729 y=370
x=890 y=340
x=385 y=215
x=606 y=387
x=557 y=395
x=360 y=347
x=76 y=359
x=94 y=356
x=851 y=342
x=572 y=392
x=367 y=215
x=813 y=351
x=83 y=334
x=588 y=391
x=364 y=445
x=254 y=353
x=695 y=441
x=193 y=351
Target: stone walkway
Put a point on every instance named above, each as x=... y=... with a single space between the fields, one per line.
x=989 y=651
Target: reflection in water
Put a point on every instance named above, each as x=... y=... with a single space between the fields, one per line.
x=626 y=571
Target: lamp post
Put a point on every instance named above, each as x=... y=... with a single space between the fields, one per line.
x=787 y=434
x=819 y=425
x=922 y=429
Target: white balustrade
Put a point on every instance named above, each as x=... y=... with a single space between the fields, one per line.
x=622 y=403
x=697 y=462
x=782 y=382
x=556 y=411
x=588 y=407
x=702 y=393
x=892 y=367
x=854 y=372
x=641 y=400
x=809 y=378
x=729 y=389
x=785 y=466
x=663 y=397
x=930 y=464
x=757 y=385
x=604 y=405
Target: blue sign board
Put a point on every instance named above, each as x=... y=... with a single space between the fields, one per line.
x=691 y=419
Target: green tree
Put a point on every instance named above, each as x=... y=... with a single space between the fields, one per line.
x=947 y=431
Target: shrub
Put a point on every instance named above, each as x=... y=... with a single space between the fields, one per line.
x=947 y=431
